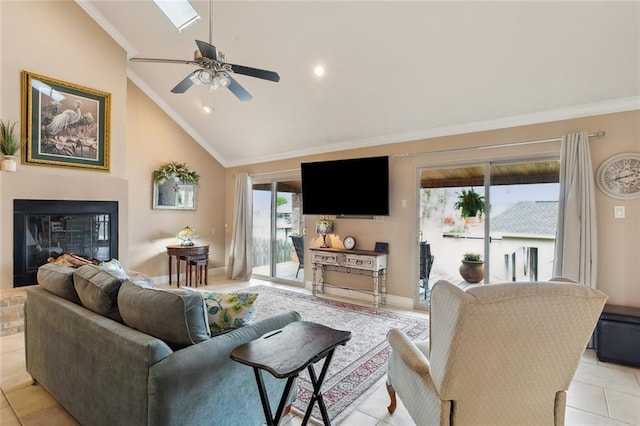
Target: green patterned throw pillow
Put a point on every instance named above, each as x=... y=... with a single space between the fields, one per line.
x=229 y=310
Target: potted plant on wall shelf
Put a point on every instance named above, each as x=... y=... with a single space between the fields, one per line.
x=472 y=268
x=470 y=204
x=10 y=144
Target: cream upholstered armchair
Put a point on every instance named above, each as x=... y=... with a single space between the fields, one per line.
x=500 y=354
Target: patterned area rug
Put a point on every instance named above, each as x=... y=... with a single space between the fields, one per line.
x=356 y=366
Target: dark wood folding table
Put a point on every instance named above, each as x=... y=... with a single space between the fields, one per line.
x=286 y=352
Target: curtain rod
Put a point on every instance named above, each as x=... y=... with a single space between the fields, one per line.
x=597 y=134
x=274 y=172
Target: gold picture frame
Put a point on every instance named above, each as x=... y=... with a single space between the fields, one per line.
x=65 y=124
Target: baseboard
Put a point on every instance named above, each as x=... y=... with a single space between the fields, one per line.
x=392 y=300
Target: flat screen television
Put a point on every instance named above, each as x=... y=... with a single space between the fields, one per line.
x=352 y=187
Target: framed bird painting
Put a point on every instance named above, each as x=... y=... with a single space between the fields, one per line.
x=64 y=124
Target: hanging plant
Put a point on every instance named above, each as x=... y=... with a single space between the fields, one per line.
x=470 y=204
x=178 y=171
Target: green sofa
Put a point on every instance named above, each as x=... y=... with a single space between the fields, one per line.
x=104 y=372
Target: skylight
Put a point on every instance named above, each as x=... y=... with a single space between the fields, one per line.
x=180 y=12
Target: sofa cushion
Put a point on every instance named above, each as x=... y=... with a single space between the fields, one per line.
x=58 y=279
x=98 y=290
x=228 y=311
x=178 y=317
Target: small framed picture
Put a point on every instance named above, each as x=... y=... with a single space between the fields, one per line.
x=65 y=124
x=381 y=247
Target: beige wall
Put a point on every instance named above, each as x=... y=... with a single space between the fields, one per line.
x=57 y=39
x=154 y=139
x=619 y=239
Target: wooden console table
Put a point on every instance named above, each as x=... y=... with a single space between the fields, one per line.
x=350 y=261
x=190 y=254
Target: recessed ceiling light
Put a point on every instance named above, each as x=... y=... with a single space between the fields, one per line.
x=206 y=109
x=319 y=71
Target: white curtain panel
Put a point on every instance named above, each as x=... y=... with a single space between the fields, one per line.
x=576 y=236
x=241 y=247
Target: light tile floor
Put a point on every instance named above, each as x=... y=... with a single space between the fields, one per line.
x=601 y=394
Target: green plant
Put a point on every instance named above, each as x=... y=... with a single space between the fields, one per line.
x=470 y=204
x=178 y=171
x=9 y=142
x=471 y=257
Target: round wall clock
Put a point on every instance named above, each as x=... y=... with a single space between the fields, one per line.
x=619 y=176
x=349 y=242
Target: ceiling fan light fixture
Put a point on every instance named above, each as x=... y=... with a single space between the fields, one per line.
x=205 y=76
x=213 y=71
x=223 y=79
x=214 y=85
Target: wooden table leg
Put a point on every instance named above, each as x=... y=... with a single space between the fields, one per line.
x=178 y=269
x=317 y=394
x=266 y=407
x=375 y=289
x=189 y=273
x=170 y=272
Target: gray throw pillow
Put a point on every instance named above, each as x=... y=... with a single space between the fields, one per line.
x=142 y=281
x=58 y=279
x=98 y=290
x=178 y=317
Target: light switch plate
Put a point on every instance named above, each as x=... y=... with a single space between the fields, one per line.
x=618 y=212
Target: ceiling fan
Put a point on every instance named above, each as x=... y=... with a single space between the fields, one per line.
x=213 y=70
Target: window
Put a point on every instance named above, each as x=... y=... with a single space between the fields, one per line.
x=180 y=12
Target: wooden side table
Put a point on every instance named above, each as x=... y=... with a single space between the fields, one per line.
x=286 y=352
x=192 y=255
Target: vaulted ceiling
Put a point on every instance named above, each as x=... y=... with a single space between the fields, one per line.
x=395 y=71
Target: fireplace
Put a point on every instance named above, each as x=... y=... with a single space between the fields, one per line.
x=48 y=228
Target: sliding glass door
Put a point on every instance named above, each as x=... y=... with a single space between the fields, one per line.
x=504 y=214
x=277 y=222
x=446 y=233
x=523 y=218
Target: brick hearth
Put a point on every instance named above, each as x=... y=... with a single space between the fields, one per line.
x=12 y=310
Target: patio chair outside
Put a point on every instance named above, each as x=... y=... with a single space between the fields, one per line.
x=298 y=244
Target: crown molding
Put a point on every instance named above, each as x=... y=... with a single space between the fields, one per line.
x=107 y=27
x=586 y=110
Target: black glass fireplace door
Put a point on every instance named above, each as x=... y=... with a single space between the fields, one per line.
x=48 y=228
